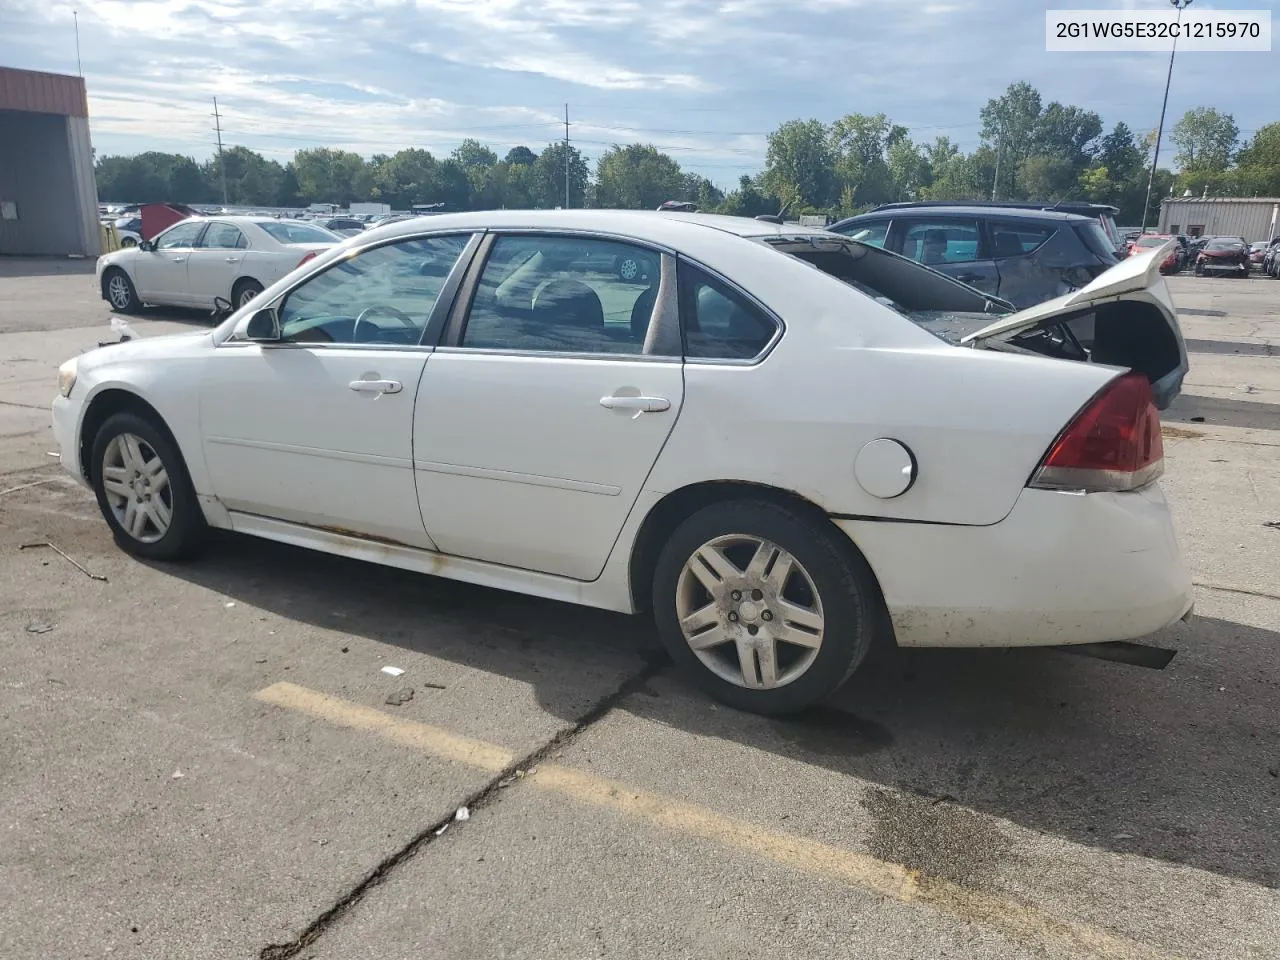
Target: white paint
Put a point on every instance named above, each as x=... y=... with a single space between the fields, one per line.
x=885 y=468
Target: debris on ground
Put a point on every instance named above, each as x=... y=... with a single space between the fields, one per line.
x=261 y=660
x=462 y=814
x=38 y=627
x=177 y=775
x=1197 y=419
x=436 y=686
x=346 y=649
x=1248 y=388
x=74 y=563
x=1123 y=836
x=442 y=830
x=229 y=604
x=392 y=671
x=398 y=697
x=1273 y=524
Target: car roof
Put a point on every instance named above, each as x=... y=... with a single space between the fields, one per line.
x=1061 y=206
x=664 y=228
x=970 y=210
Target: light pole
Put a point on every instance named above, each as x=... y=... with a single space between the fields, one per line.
x=1151 y=181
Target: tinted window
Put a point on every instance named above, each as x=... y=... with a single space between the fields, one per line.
x=223 y=236
x=285 y=231
x=564 y=294
x=1013 y=238
x=873 y=233
x=384 y=295
x=941 y=241
x=1096 y=239
x=719 y=323
x=182 y=235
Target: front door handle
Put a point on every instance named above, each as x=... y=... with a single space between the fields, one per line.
x=232 y=259
x=638 y=404
x=969 y=277
x=177 y=259
x=376 y=386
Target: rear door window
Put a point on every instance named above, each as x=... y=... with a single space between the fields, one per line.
x=873 y=233
x=1011 y=238
x=934 y=242
x=720 y=323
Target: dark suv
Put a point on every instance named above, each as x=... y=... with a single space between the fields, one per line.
x=1023 y=256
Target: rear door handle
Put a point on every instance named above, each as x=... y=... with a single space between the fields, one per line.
x=376 y=386
x=638 y=404
x=177 y=259
x=969 y=277
x=232 y=259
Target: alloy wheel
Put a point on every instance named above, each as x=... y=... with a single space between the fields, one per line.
x=750 y=611
x=629 y=269
x=246 y=295
x=118 y=291
x=137 y=487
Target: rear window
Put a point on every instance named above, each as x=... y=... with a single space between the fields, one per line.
x=1096 y=239
x=286 y=232
x=1153 y=241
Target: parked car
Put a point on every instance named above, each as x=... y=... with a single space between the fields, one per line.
x=1023 y=256
x=129 y=230
x=938 y=471
x=342 y=226
x=1258 y=252
x=1172 y=261
x=1223 y=255
x=196 y=260
x=1104 y=213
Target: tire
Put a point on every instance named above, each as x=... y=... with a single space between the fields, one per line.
x=120 y=291
x=125 y=492
x=244 y=291
x=128 y=242
x=827 y=577
x=630 y=269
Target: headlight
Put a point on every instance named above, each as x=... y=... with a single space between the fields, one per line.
x=67 y=377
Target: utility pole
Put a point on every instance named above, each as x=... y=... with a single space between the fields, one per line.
x=222 y=166
x=995 y=184
x=1155 y=159
x=75 y=14
x=566 y=156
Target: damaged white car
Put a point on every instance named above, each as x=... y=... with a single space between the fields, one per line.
x=780 y=442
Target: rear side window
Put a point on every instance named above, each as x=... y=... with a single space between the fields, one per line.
x=1095 y=238
x=290 y=231
x=873 y=233
x=718 y=322
x=932 y=242
x=1012 y=238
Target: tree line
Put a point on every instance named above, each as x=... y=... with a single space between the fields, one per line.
x=1028 y=150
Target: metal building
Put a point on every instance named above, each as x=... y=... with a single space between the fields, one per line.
x=48 y=197
x=1253 y=218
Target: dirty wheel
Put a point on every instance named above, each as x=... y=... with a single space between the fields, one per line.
x=763 y=607
x=245 y=291
x=143 y=489
x=120 y=292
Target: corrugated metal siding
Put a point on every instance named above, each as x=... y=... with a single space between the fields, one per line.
x=37 y=174
x=80 y=148
x=1249 y=218
x=38 y=92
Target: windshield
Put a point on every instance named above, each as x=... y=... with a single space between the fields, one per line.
x=1153 y=241
x=284 y=231
x=1223 y=245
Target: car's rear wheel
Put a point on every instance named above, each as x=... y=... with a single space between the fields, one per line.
x=128 y=242
x=245 y=290
x=763 y=606
x=120 y=291
x=143 y=489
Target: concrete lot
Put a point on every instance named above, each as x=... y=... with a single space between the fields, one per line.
x=201 y=760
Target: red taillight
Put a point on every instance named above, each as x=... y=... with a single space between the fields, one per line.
x=309 y=256
x=1113 y=444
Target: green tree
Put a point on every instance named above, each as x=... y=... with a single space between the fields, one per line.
x=799 y=159
x=1206 y=140
x=408 y=177
x=547 y=179
x=1258 y=163
x=748 y=200
x=1047 y=177
x=637 y=177
x=1010 y=124
x=252 y=179
x=861 y=144
x=473 y=155
x=152 y=176
x=520 y=156
x=331 y=176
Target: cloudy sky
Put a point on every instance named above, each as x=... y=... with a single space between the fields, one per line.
x=703 y=79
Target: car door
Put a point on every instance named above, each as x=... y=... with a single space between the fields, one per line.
x=160 y=273
x=546 y=405
x=317 y=427
x=951 y=245
x=215 y=263
x=1032 y=271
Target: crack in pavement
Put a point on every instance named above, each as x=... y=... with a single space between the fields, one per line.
x=486 y=796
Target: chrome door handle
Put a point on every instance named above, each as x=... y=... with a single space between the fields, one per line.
x=177 y=259
x=376 y=386
x=638 y=404
x=232 y=259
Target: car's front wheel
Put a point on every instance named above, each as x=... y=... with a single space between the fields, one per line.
x=763 y=606
x=143 y=489
x=120 y=291
x=245 y=291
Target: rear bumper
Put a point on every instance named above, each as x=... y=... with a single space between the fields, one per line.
x=1062 y=568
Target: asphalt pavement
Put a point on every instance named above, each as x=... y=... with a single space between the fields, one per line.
x=208 y=760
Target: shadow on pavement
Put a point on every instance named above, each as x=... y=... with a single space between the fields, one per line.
x=1222 y=411
x=45 y=266
x=1180 y=765
x=1233 y=347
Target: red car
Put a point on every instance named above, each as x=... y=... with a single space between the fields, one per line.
x=1225 y=255
x=1149 y=241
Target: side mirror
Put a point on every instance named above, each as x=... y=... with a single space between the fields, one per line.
x=263 y=327
x=221 y=307
x=146 y=246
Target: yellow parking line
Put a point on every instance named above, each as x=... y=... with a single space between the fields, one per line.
x=1021 y=923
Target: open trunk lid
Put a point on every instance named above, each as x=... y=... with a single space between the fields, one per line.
x=1123 y=318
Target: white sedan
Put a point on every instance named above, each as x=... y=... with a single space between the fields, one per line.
x=198 y=259
x=786 y=445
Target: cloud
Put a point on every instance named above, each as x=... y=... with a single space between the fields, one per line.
x=703 y=79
